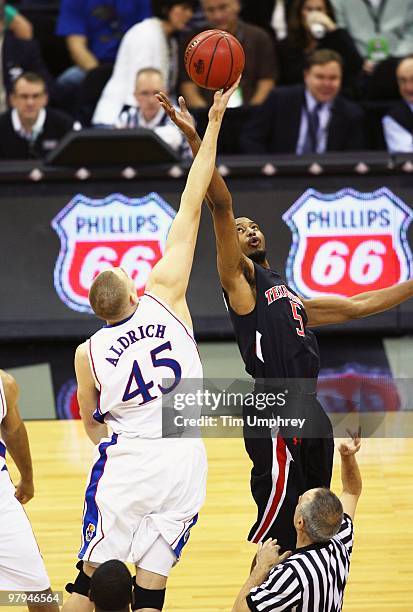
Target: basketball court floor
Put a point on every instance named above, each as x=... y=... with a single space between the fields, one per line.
x=216 y=559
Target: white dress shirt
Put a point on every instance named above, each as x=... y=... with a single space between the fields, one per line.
x=398 y=139
x=36 y=129
x=324 y=117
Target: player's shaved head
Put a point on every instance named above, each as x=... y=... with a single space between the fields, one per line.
x=109 y=295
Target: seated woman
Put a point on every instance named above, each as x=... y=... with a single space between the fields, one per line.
x=311 y=26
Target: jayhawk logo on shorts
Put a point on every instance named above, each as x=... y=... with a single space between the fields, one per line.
x=90 y=532
x=96 y=235
x=348 y=242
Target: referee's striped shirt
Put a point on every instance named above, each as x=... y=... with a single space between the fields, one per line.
x=311 y=580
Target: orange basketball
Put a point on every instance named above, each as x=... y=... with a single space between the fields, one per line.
x=214 y=59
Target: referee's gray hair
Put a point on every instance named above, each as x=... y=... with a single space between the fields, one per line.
x=323 y=515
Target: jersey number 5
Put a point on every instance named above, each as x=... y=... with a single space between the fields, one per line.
x=141 y=387
x=296 y=315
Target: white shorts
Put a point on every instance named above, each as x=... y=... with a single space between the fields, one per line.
x=140 y=489
x=21 y=564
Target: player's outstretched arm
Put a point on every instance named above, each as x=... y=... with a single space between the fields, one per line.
x=230 y=259
x=170 y=277
x=14 y=434
x=218 y=194
x=87 y=396
x=350 y=474
x=328 y=310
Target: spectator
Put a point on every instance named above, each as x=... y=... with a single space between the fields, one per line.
x=398 y=124
x=148 y=113
x=314 y=576
x=111 y=587
x=382 y=31
x=150 y=43
x=16 y=23
x=312 y=26
x=30 y=130
x=17 y=56
x=271 y=15
x=259 y=73
x=307 y=119
x=93 y=31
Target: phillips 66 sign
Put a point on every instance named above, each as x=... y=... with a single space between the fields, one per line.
x=348 y=242
x=96 y=235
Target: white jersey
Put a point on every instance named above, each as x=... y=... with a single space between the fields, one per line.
x=137 y=363
x=3 y=412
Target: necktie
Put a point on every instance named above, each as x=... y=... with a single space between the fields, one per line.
x=313 y=125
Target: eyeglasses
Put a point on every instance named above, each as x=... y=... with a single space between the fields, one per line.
x=35 y=96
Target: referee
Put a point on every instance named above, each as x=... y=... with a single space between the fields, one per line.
x=313 y=577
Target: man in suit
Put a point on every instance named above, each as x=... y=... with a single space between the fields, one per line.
x=398 y=123
x=309 y=118
x=29 y=130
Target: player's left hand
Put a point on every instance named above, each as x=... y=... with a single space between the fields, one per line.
x=24 y=491
x=221 y=99
x=268 y=555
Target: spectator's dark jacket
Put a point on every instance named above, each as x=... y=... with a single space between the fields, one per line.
x=275 y=126
x=14 y=146
x=402 y=114
x=21 y=56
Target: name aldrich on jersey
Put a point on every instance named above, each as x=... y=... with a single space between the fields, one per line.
x=126 y=340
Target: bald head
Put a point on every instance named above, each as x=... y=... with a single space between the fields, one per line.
x=322 y=513
x=112 y=294
x=405 y=79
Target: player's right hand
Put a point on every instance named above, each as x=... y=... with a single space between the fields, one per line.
x=24 y=491
x=221 y=99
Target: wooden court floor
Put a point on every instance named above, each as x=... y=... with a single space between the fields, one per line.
x=216 y=559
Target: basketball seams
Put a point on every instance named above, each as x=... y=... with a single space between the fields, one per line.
x=197 y=44
x=232 y=62
x=211 y=61
x=212 y=65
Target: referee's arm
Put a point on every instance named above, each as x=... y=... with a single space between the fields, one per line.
x=267 y=558
x=350 y=475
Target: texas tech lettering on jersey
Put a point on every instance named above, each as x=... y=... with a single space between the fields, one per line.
x=281 y=291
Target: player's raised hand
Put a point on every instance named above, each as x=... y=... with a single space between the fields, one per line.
x=182 y=118
x=221 y=99
x=24 y=491
x=352 y=445
x=268 y=555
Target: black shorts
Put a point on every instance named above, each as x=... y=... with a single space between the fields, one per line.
x=284 y=467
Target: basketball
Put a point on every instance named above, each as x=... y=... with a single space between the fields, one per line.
x=214 y=59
